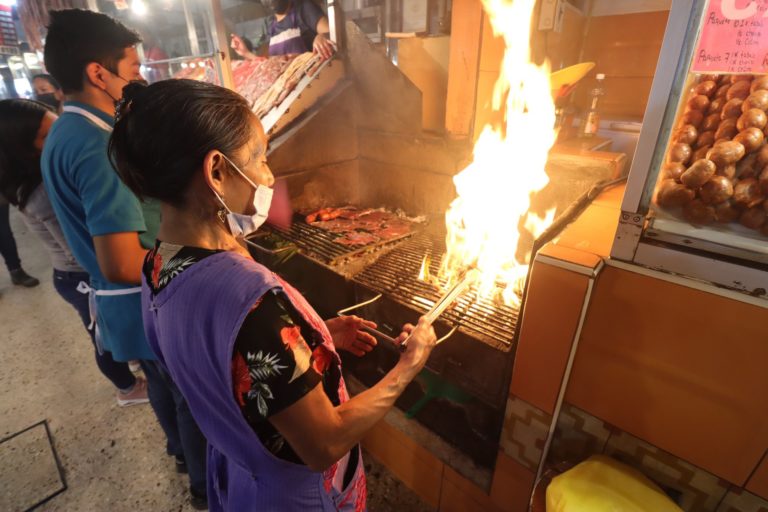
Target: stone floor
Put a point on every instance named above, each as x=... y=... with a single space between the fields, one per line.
x=113 y=458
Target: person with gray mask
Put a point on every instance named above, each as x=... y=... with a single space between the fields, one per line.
x=294 y=26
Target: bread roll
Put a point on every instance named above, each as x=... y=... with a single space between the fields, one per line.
x=751 y=138
x=698 y=213
x=717 y=190
x=721 y=154
x=680 y=152
x=747 y=192
x=753 y=117
x=753 y=218
x=698 y=173
x=732 y=108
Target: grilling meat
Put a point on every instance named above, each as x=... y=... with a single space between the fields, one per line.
x=357 y=238
x=360 y=226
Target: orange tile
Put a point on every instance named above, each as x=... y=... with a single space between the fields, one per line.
x=461 y=495
x=679 y=368
x=612 y=197
x=593 y=232
x=561 y=252
x=417 y=468
x=512 y=485
x=758 y=483
x=550 y=318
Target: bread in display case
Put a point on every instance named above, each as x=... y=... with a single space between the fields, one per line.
x=715 y=170
x=696 y=201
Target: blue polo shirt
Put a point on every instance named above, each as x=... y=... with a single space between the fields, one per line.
x=90 y=200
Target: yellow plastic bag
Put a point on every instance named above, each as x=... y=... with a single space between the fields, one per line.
x=601 y=484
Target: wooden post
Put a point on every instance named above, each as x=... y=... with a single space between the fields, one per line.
x=466 y=31
x=221 y=43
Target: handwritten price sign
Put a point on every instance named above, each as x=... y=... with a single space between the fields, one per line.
x=734 y=38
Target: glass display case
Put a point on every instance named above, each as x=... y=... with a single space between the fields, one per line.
x=180 y=38
x=193 y=39
x=697 y=195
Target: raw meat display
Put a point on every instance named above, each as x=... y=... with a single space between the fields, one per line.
x=716 y=166
x=300 y=65
x=264 y=81
x=252 y=78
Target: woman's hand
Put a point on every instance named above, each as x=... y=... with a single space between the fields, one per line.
x=348 y=335
x=420 y=345
x=238 y=45
x=323 y=46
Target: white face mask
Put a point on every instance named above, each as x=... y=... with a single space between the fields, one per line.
x=242 y=225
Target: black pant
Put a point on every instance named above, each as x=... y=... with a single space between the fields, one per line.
x=66 y=285
x=181 y=430
x=7 y=242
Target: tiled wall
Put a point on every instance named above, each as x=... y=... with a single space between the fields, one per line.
x=579 y=435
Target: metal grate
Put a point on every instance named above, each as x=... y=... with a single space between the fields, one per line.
x=396 y=276
x=319 y=244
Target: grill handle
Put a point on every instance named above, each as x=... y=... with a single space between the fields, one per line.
x=376 y=332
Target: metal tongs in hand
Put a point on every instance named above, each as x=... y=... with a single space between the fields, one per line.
x=447 y=299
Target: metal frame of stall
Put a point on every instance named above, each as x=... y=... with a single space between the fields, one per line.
x=708 y=255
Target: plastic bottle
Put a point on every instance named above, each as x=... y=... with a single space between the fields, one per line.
x=592 y=120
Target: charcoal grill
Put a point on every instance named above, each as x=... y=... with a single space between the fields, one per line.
x=396 y=276
x=477 y=358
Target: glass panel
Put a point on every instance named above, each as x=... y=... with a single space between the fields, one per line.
x=713 y=182
x=176 y=36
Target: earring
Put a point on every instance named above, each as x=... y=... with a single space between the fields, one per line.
x=222 y=214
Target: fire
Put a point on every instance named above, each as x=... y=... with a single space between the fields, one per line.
x=424 y=274
x=494 y=191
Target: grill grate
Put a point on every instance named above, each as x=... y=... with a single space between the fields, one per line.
x=396 y=273
x=319 y=244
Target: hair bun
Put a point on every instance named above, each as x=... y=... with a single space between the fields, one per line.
x=131 y=92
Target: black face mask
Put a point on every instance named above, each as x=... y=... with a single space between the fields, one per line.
x=276 y=6
x=49 y=99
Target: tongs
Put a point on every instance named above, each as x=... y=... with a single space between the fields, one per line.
x=447 y=299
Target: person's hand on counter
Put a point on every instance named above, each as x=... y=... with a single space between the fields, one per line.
x=323 y=46
x=241 y=48
x=347 y=334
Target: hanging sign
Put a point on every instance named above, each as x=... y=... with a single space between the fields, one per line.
x=733 y=38
x=8 y=35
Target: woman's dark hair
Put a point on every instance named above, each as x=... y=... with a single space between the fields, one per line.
x=19 y=160
x=77 y=37
x=48 y=78
x=164 y=131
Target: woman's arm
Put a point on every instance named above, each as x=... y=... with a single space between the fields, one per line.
x=322 y=26
x=321 y=434
x=322 y=45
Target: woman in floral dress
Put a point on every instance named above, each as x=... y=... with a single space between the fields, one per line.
x=257 y=365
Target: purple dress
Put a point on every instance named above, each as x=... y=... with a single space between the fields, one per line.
x=192 y=325
x=289 y=40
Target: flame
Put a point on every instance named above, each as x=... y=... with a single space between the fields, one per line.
x=494 y=191
x=424 y=274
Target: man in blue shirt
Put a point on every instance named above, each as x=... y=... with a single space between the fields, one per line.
x=93 y=56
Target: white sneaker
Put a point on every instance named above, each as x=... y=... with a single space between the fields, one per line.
x=134 y=366
x=136 y=396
